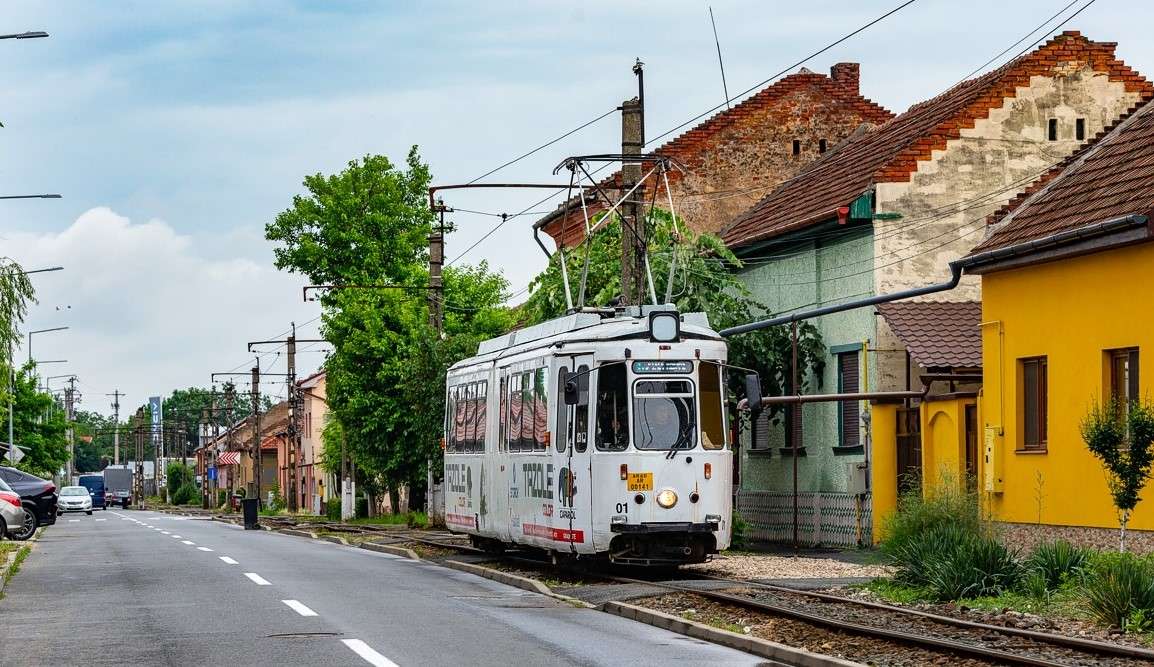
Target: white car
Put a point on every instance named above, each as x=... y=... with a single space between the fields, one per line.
x=74 y=499
x=11 y=512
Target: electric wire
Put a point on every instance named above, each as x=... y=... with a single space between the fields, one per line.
x=1028 y=35
x=785 y=70
x=543 y=146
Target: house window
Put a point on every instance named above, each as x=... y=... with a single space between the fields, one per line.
x=1080 y=129
x=1052 y=133
x=797 y=146
x=821 y=146
x=1123 y=374
x=1033 y=403
x=848 y=382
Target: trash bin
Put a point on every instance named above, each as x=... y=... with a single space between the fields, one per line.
x=250 y=506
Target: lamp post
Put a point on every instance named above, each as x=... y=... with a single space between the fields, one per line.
x=38 y=331
x=31 y=34
x=12 y=376
x=48 y=196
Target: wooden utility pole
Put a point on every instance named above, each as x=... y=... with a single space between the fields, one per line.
x=436 y=263
x=70 y=415
x=634 y=237
x=256 y=462
x=138 y=434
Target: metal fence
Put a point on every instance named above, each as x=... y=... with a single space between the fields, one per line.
x=824 y=519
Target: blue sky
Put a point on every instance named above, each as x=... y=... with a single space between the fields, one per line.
x=176 y=130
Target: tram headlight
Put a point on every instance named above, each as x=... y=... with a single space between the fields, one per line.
x=667 y=498
x=664 y=327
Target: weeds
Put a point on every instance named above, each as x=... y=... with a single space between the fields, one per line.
x=738 y=532
x=1119 y=591
x=1059 y=562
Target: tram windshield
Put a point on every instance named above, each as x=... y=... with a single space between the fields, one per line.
x=663 y=414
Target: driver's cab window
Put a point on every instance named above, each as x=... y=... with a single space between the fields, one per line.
x=612 y=408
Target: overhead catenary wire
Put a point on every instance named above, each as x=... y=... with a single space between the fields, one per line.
x=1028 y=35
x=543 y=146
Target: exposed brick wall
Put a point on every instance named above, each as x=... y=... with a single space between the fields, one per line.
x=738 y=155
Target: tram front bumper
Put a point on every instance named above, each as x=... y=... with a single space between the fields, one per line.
x=656 y=528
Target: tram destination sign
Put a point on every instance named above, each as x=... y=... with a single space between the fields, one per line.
x=657 y=367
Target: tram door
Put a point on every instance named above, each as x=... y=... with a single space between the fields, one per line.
x=573 y=519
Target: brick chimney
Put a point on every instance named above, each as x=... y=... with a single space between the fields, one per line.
x=846 y=74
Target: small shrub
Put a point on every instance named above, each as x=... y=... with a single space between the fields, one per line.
x=1119 y=587
x=417 y=520
x=975 y=566
x=1058 y=562
x=278 y=502
x=333 y=509
x=221 y=497
x=738 y=532
x=1036 y=587
x=947 y=505
x=186 y=494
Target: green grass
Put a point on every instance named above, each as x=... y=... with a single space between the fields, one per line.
x=412 y=519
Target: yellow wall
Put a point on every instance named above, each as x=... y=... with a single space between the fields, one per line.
x=883 y=463
x=943 y=424
x=1070 y=311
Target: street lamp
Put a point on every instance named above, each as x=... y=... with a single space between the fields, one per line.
x=31 y=34
x=36 y=332
x=29 y=196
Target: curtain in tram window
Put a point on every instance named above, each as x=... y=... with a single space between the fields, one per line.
x=482 y=416
x=540 y=411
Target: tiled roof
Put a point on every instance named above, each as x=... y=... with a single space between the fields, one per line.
x=938 y=334
x=1110 y=177
x=891 y=152
x=689 y=147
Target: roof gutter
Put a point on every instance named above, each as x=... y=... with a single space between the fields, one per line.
x=956 y=268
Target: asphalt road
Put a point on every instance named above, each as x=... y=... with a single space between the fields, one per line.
x=141 y=588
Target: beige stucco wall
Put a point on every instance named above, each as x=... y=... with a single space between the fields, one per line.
x=945 y=203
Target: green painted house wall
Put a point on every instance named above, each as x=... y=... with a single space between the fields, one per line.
x=826 y=266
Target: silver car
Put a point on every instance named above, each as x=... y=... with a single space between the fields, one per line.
x=74 y=499
x=11 y=512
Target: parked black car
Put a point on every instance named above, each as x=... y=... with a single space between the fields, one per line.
x=38 y=497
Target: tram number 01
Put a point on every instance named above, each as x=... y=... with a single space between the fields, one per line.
x=623 y=508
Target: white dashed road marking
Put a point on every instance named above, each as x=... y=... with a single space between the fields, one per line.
x=299 y=608
x=257 y=579
x=165 y=532
x=176 y=537
x=188 y=542
x=204 y=549
x=74 y=521
x=102 y=519
x=228 y=560
x=370 y=656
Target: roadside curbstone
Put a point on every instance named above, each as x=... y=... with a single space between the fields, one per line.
x=390 y=549
x=755 y=645
x=335 y=539
x=514 y=580
x=298 y=533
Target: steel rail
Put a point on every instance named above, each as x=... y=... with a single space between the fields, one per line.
x=857 y=628
x=1089 y=645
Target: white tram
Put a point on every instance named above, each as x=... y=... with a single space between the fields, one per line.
x=596 y=434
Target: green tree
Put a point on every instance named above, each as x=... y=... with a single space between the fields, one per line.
x=15 y=294
x=1121 y=436
x=704 y=281
x=38 y=426
x=184 y=410
x=369 y=225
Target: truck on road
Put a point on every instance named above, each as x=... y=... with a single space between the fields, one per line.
x=118 y=485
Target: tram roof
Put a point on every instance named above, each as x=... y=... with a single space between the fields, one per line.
x=623 y=323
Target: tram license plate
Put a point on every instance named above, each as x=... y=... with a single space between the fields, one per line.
x=640 y=481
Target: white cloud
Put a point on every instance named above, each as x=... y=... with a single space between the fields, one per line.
x=148 y=312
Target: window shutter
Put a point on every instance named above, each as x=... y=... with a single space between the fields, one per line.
x=848 y=383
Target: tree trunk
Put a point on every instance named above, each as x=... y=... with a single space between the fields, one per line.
x=394 y=499
x=1122 y=537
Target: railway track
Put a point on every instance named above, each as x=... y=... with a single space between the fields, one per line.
x=903 y=628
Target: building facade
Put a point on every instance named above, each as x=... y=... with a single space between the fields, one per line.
x=886 y=210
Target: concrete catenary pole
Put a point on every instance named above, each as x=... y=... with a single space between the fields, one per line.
x=256 y=462
x=633 y=233
x=116 y=426
x=293 y=448
x=70 y=416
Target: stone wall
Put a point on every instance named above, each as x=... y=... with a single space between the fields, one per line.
x=1026 y=536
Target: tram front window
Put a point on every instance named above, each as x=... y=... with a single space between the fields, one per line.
x=663 y=414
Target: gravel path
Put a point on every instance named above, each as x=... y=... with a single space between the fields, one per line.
x=768 y=566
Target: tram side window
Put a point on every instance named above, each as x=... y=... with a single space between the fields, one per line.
x=503 y=418
x=480 y=416
x=516 y=413
x=469 y=394
x=459 y=420
x=712 y=406
x=529 y=413
x=581 y=414
x=541 y=410
x=561 y=427
x=450 y=417
x=612 y=408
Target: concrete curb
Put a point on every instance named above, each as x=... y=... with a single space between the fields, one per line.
x=30 y=544
x=335 y=539
x=390 y=549
x=298 y=533
x=754 y=645
x=514 y=580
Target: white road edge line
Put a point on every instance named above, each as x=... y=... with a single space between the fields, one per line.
x=228 y=560
x=370 y=656
x=188 y=542
x=204 y=549
x=257 y=579
x=299 y=608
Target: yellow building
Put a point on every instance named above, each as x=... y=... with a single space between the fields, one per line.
x=1066 y=316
